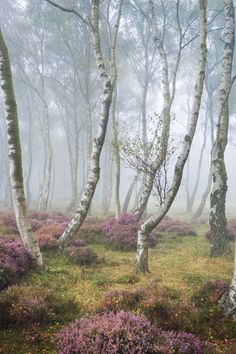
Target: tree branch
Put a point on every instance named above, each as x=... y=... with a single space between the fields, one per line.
x=73 y=11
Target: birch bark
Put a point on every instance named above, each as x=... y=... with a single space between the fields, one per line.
x=14 y=152
x=108 y=85
x=218 y=221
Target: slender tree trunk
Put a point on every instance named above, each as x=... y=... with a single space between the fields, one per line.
x=47 y=171
x=228 y=300
x=199 y=168
x=129 y=194
x=94 y=170
x=30 y=160
x=147 y=227
x=188 y=206
x=107 y=186
x=16 y=174
x=206 y=193
x=218 y=221
x=168 y=97
x=116 y=152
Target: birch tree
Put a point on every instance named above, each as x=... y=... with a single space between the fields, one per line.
x=146 y=228
x=108 y=84
x=14 y=152
x=218 y=221
x=168 y=89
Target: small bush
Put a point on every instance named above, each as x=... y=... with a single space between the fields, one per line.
x=173 y=342
x=48 y=235
x=210 y=292
x=58 y=219
x=178 y=227
x=22 y=306
x=15 y=261
x=19 y=307
x=91 y=233
x=79 y=243
x=124 y=219
x=124 y=332
x=122 y=234
x=9 y=221
x=82 y=255
x=40 y=216
x=117 y=300
x=121 y=332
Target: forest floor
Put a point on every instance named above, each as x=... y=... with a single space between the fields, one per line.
x=180 y=265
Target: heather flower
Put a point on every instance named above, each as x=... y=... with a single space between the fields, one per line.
x=48 y=235
x=173 y=342
x=122 y=233
x=79 y=243
x=14 y=260
x=110 y=333
x=178 y=227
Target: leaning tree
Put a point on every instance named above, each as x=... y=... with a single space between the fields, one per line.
x=146 y=228
x=14 y=153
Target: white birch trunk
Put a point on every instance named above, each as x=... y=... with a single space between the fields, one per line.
x=94 y=167
x=147 y=227
x=228 y=300
x=218 y=221
x=168 y=97
x=116 y=152
x=16 y=175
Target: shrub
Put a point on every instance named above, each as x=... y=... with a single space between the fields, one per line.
x=122 y=234
x=178 y=227
x=48 y=235
x=210 y=292
x=173 y=342
x=40 y=216
x=82 y=255
x=14 y=261
x=117 y=300
x=79 y=243
x=10 y=222
x=121 y=332
x=21 y=305
x=124 y=219
x=91 y=233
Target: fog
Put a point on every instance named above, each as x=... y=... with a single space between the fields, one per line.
x=59 y=94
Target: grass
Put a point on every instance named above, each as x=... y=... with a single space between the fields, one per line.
x=179 y=263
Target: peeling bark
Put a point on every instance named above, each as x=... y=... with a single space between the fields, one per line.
x=14 y=152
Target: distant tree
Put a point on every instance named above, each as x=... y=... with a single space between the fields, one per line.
x=14 y=147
